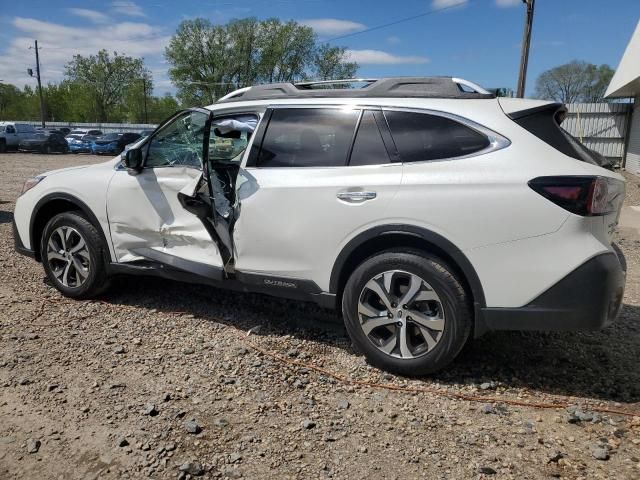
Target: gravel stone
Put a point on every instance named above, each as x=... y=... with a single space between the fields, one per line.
x=192 y=427
x=600 y=453
x=192 y=468
x=33 y=445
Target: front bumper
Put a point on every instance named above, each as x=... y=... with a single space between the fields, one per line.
x=20 y=248
x=589 y=298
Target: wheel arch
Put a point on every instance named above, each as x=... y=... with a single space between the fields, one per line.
x=381 y=238
x=53 y=204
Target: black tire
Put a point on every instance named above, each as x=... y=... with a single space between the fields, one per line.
x=453 y=300
x=96 y=281
x=3 y=147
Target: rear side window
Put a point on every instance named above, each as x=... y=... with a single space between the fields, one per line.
x=368 y=147
x=421 y=136
x=308 y=137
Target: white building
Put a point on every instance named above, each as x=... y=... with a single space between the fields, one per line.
x=626 y=84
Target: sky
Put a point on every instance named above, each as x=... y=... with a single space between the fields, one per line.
x=474 y=39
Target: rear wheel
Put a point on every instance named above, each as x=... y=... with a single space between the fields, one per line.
x=407 y=312
x=72 y=253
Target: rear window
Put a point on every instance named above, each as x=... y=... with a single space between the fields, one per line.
x=420 y=136
x=545 y=123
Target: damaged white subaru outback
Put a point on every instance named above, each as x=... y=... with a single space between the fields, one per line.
x=425 y=209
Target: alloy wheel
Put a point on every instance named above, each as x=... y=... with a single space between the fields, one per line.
x=401 y=314
x=68 y=256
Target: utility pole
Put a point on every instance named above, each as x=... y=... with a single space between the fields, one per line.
x=39 y=85
x=526 y=41
x=144 y=93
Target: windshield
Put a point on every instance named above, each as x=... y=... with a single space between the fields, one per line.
x=111 y=136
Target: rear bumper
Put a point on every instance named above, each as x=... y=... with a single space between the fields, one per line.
x=589 y=298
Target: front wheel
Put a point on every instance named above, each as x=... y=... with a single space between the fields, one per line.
x=73 y=254
x=407 y=312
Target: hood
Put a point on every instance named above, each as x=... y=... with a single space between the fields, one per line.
x=112 y=162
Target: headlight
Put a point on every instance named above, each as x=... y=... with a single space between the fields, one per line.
x=31 y=182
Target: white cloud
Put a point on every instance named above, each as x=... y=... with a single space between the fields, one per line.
x=437 y=4
x=378 y=57
x=59 y=43
x=91 y=15
x=508 y=3
x=125 y=7
x=332 y=26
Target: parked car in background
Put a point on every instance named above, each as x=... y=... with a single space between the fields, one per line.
x=80 y=143
x=113 y=143
x=11 y=134
x=146 y=133
x=65 y=130
x=44 y=142
x=80 y=140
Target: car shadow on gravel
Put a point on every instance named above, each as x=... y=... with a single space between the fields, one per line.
x=601 y=365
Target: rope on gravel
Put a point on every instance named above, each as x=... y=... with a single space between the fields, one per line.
x=433 y=391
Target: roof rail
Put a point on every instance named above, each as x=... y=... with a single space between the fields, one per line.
x=397 y=87
x=336 y=82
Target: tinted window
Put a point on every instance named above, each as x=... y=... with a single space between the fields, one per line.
x=368 y=148
x=420 y=136
x=10 y=129
x=308 y=137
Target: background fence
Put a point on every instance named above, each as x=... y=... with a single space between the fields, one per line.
x=602 y=127
x=105 y=127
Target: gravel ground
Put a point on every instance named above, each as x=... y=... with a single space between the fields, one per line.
x=160 y=379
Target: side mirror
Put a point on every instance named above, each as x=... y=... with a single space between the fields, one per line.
x=132 y=159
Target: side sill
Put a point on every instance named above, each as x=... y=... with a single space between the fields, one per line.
x=305 y=290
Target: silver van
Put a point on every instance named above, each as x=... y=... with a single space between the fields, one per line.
x=11 y=133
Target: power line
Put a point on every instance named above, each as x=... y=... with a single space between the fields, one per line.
x=402 y=20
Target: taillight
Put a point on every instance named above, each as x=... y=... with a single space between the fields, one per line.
x=586 y=196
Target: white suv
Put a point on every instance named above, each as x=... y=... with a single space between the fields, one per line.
x=426 y=209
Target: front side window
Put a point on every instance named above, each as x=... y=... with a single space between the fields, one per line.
x=10 y=129
x=178 y=143
x=421 y=136
x=230 y=136
x=308 y=137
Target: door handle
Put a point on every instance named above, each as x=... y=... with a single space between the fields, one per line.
x=356 y=196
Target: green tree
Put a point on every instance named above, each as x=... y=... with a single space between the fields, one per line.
x=10 y=101
x=574 y=82
x=207 y=61
x=330 y=63
x=107 y=78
